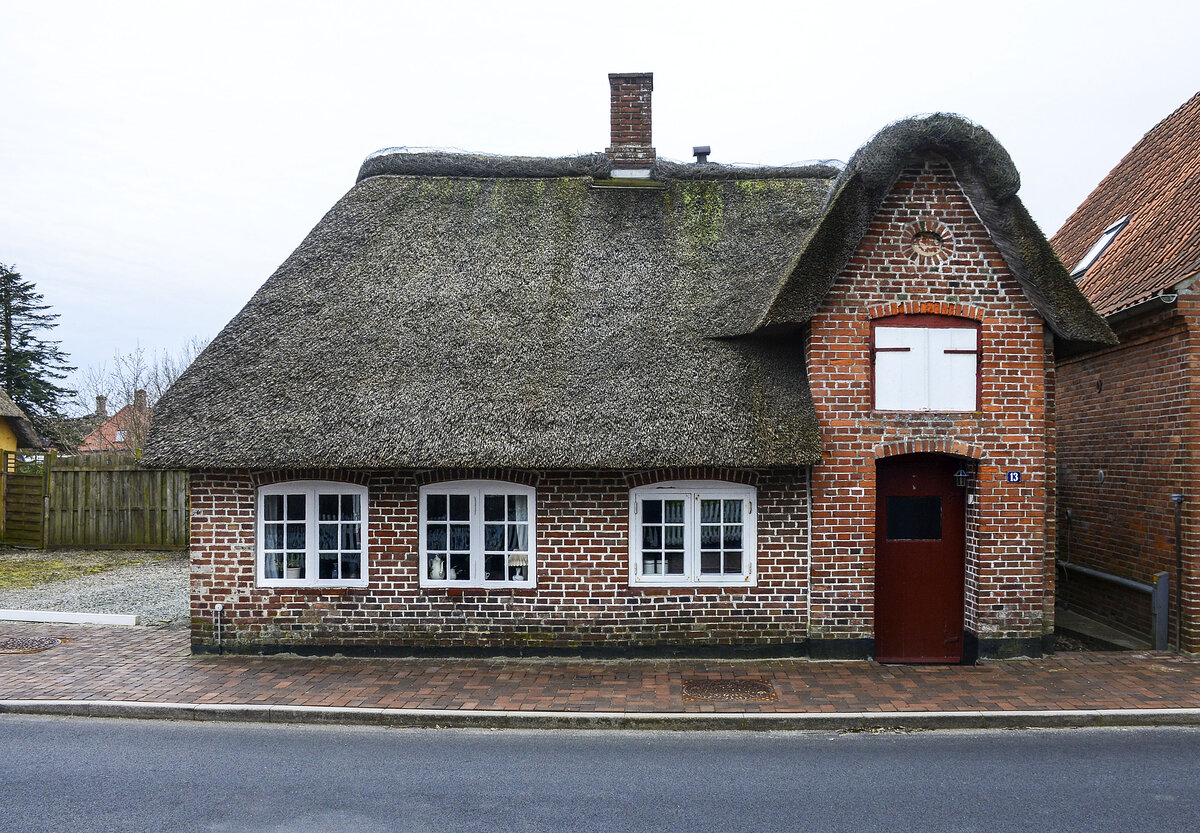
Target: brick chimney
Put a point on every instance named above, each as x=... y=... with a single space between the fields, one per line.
x=632 y=153
x=139 y=400
x=102 y=406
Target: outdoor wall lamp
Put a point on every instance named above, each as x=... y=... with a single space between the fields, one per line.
x=961 y=477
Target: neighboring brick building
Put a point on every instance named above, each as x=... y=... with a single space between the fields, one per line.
x=1127 y=414
x=617 y=403
x=124 y=432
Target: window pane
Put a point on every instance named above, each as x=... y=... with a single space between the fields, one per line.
x=274 y=565
x=295 y=536
x=710 y=537
x=652 y=537
x=673 y=511
x=652 y=563
x=327 y=538
x=351 y=565
x=435 y=537
x=733 y=537
x=710 y=562
x=518 y=508
x=460 y=568
x=733 y=511
x=460 y=536
x=460 y=507
x=493 y=568
x=733 y=561
x=518 y=538
x=673 y=537
x=351 y=537
x=914 y=518
x=351 y=507
x=675 y=563
x=273 y=536
x=295 y=507
x=493 y=507
x=328 y=565
x=710 y=511
x=435 y=507
x=493 y=537
x=327 y=507
x=652 y=511
x=295 y=565
x=273 y=508
x=437 y=567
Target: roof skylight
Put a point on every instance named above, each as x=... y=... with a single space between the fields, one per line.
x=1094 y=253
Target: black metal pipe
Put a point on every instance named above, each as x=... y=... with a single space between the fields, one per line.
x=1178 y=501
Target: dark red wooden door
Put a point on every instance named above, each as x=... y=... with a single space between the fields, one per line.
x=920 y=538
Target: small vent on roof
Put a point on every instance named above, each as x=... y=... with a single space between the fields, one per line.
x=701 y=153
x=1094 y=253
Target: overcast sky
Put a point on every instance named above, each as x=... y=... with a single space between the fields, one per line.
x=159 y=160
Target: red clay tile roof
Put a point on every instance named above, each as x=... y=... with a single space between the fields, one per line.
x=1158 y=184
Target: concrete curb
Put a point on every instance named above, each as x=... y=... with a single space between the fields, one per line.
x=682 y=721
x=67 y=618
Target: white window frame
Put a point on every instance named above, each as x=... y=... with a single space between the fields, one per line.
x=475 y=490
x=692 y=492
x=310 y=489
x=919 y=367
x=1103 y=242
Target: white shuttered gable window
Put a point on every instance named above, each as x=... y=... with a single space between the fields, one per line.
x=926 y=368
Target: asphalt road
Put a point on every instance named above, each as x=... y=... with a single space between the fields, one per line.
x=79 y=774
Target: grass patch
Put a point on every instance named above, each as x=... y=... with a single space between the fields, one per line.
x=24 y=569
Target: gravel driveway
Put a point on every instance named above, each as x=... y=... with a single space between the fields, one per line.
x=156 y=592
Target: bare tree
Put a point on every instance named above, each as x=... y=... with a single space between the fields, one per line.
x=115 y=402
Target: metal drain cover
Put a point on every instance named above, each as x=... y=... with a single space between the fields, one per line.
x=27 y=644
x=745 y=691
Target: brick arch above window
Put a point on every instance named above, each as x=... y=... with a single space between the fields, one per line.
x=930 y=445
x=523 y=477
x=267 y=478
x=944 y=308
x=645 y=478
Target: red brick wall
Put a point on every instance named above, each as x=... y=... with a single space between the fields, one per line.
x=1010 y=543
x=582 y=598
x=629 y=119
x=1129 y=412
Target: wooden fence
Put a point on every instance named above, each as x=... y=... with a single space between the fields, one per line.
x=106 y=501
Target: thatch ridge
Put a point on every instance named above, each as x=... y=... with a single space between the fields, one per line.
x=991 y=181
x=403 y=162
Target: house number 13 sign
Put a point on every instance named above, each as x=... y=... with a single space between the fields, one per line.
x=1012 y=476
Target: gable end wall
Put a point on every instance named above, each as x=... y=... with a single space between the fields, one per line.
x=1010 y=539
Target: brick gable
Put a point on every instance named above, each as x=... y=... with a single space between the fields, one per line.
x=1009 y=526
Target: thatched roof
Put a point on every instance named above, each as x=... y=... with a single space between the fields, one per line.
x=456 y=310
x=19 y=423
x=526 y=322
x=989 y=179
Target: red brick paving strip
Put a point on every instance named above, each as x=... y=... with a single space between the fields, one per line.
x=155 y=666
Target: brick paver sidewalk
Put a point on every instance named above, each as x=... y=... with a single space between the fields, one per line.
x=155 y=666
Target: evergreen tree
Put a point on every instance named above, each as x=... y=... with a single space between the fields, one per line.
x=30 y=366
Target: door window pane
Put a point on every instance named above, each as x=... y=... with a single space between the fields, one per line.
x=914 y=518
